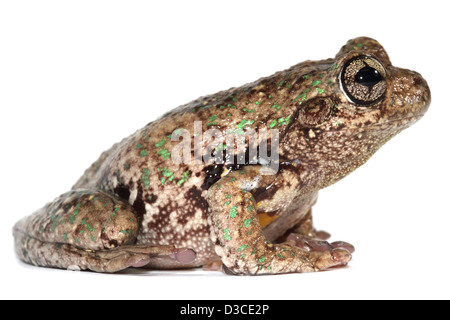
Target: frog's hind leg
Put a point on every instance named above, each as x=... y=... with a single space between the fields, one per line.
x=87 y=230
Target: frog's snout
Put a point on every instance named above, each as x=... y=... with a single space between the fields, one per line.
x=410 y=95
x=422 y=90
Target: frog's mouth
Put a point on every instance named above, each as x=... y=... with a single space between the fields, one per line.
x=393 y=124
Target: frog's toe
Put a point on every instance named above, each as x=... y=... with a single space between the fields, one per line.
x=342 y=244
x=323 y=254
x=322 y=235
x=338 y=257
x=313 y=244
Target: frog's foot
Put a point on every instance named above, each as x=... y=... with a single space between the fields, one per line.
x=287 y=258
x=89 y=230
x=66 y=256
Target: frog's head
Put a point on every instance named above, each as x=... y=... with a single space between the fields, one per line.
x=352 y=105
x=375 y=91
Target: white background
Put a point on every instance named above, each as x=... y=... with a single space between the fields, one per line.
x=78 y=76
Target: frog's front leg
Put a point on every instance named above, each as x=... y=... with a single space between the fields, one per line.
x=239 y=238
x=87 y=230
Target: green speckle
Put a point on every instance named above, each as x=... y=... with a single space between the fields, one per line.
x=126 y=166
x=164 y=153
x=143 y=153
x=243 y=123
x=93 y=238
x=180 y=182
x=184 y=177
x=75 y=213
x=66 y=238
x=284 y=121
x=258 y=103
x=145 y=178
x=227 y=203
x=212 y=121
x=241 y=248
x=262 y=259
x=163 y=181
x=248 y=222
x=166 y=172
x=269 y=268
x=359 y=45
x=233 y=212
x=306 y=76
x=250 y=208
x=302 y=96
x=139 y=146
x=83 y=222
x=90 y=227
x=54 y=223
x=273 y=124
x=276 y=106
x=316 y=83
x=160 y=143
x=226 y=234
x=320 y=90
x=124 y=231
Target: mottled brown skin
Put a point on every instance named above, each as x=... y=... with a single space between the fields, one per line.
x=136 y=208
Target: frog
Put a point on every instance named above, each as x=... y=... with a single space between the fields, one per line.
x=139 y=206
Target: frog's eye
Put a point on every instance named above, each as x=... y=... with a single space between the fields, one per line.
x=364 y=80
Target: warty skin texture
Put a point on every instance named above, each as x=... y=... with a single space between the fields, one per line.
x=134 y=207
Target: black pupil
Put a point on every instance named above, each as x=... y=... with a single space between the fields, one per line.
x=368 y=77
